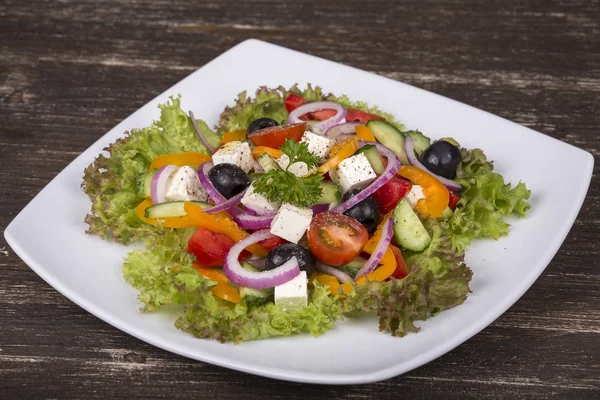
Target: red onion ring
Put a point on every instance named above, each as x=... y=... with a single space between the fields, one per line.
x=409 y=147
x=341 y=129
x=393 y=165
x=259 y=211
x=257 y=280
x=209 y=147
x=247 y=221
x=322 y=126
x=338 y=273
x=319 y=208
x=214 y=194
x=380 y=249
x=159 y=183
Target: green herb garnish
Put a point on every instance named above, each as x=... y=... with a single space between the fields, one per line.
x=282 y=185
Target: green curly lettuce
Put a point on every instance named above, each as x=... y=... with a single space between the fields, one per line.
x=270 y=103
x=113 y=182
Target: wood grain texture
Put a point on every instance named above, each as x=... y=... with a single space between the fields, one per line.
x=71 y=70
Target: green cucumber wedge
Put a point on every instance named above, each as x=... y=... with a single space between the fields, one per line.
x=171 y=209
x=390 y=137
x=408 y=228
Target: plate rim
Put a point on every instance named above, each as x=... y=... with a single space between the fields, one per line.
x=295 y=376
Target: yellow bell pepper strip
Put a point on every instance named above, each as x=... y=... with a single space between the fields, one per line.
x=260 y=150
x=179 y=159
x=220 y=222
x=339 y=153
x=436 y=194
x=364 y=133
x=233 y=136
x=222 y=289
x=212 y=273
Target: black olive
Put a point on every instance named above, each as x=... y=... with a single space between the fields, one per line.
x=366 y=212
x=441 y=158
x=261 y=123
x=229 y=179
x=280 y=254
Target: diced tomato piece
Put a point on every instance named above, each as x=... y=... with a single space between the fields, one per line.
x=354 y=115
x=390 y=194
x=454 y=199
x=275 y=136
x=293 y=101
x=211 y=248
x=401 y=269
x=272 y=242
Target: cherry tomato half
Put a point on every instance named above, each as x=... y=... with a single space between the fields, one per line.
x=361 y=116
x=390 y=194
x=454 y=199
x=275 y=136
x=293 y=101
x=272 y=242
x=401 y=269
x=210 y=248
x=336 y=239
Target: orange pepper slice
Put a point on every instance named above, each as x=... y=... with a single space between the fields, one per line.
x=212 y=274
x=179 y=159
x=339 y=153
x=436 y=194
x=233 y=136
x=364 y=133
x=260 y=150
x=227 y=292
x=220 y=222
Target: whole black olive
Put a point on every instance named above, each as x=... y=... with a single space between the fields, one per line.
x=229 y=179
x=441 y=158
x=280 y=254
x=261 y=123
x=366 y=212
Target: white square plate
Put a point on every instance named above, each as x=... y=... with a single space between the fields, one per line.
x=87 y=269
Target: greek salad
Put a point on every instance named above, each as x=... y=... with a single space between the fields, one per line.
x=299 y=209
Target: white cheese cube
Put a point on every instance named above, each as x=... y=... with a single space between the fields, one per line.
x=355 y=172
x=291 y=222
x=237 y=153
x=184 y=185
x=298 y=168
x=319 y=145
x=415 y=194
x=292 y=294
x=257 y=201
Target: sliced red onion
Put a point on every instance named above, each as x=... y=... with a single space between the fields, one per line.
x=393 y=165
x=247 y=221
x=380 y=249
x=159 y=183
x=409 y=147
x=253 y=210
x=257 y=280
x=321 y=127
x=319 y=208
x=341 y=129
x=338 y=273
x=249 y=211
x=209 y=147
x=259 y=263
x=214 y=194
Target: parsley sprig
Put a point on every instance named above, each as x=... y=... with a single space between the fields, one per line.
x=282 y=185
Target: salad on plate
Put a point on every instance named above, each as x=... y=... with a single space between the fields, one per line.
x=298 y=210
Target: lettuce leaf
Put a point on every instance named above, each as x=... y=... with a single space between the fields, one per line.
x=113 y=182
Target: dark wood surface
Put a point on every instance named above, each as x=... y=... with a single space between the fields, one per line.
x=71 y=70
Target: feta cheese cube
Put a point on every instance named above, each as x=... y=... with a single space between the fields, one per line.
x=184 y=185
x=257 y=201
x=298 y=168
x=292 y=294
x=319 y=145
x=237 y=153
x=291 y=222
x=355 y=172
x=415 y=194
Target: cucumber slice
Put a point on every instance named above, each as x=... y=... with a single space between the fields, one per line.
x=145 y=184
x=255 y=296
x=370 y=151
x=408 y=228
x=187 y=234
x=171 y=209
x=390 y=137
x=421 y=141
x=330 y=193
x=267 y=163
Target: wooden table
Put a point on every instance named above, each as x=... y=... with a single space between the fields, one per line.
x=71 y=70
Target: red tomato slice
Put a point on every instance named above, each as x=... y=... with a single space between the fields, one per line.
x=401 y=269
x=390 y=194
x=320 y=115
x=272 y=242
x=454 y=199
x=360 y=116
x=293 y=101
x=336 y=239
x=211 y=248
x=275 y=136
